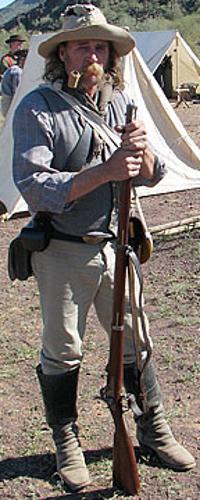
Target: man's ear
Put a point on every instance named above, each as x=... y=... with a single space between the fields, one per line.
x=61 y=53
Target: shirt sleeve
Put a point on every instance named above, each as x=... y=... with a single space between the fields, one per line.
x=44 y=188
x=159 y=172
x=5 y=63
x=16 y=79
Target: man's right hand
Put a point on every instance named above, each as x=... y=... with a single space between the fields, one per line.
x=123 y=165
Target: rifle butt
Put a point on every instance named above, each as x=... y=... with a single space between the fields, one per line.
x=125 y=472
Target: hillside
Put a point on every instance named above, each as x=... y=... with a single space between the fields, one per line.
x=16 y=8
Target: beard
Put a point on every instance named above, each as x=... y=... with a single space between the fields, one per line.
x=91 y=73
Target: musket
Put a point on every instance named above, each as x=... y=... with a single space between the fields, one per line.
x=125 y=472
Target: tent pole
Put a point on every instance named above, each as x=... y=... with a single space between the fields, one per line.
x=178 y=226
x=177 y=62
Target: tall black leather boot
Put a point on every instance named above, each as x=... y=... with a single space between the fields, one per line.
x=152 y=430
x=59 y=395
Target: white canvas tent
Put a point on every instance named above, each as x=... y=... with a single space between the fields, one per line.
x=167 y=136
x=168 y=55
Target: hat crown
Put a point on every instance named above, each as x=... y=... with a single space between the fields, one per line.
x=77 y=16
x=85 y=21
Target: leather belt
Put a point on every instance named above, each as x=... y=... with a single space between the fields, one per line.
x=88 y=239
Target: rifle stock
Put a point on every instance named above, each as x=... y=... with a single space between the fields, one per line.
x=125 y=473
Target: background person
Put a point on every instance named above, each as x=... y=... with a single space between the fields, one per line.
x=15 y=42
x=68 y=168
x=11 y=80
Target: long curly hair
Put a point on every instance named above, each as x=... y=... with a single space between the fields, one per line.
x=55 y=70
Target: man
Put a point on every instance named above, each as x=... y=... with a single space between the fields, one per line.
x=15 y=42
x=11 y=80
x=68 y=167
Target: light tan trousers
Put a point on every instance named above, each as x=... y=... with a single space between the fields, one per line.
x=71 y=277
x=5 y=104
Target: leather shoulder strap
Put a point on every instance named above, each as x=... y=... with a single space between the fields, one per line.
x=92 y=118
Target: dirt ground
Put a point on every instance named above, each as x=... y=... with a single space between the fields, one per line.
x=171 y=280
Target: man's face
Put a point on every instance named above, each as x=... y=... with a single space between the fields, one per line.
x=85 y=56
x=16 y=45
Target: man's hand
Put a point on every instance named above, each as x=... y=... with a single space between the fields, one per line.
x=126 y=162
x=132 y=158
x=123 y=164
x=134 y=139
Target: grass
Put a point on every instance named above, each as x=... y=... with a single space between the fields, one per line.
x=179 y=297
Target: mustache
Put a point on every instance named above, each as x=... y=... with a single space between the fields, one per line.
x=75 y=78
x=94 y=69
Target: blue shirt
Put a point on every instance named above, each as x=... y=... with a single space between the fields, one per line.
x=11 y=79
x=44 y=137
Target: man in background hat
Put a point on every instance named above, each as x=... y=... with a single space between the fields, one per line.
x=69 y=167
x=15 y=42
x=11 y=80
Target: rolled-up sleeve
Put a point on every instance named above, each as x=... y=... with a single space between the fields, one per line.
x=44 y=188
x=159 y=172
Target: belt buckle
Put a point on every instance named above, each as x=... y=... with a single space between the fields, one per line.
x=93 y=240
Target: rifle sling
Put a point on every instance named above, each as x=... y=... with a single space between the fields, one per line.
x=136 y=267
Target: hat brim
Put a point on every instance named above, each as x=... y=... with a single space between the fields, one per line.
x=14 y=40
x=121 y=39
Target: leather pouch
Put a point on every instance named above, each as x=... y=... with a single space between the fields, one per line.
x=140 y=239
x=34 y=237
x=19 y=261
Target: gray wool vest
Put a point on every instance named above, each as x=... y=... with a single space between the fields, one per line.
x=77 y=146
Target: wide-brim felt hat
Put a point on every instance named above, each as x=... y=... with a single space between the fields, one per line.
x=14 y=38
x=82 y=22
